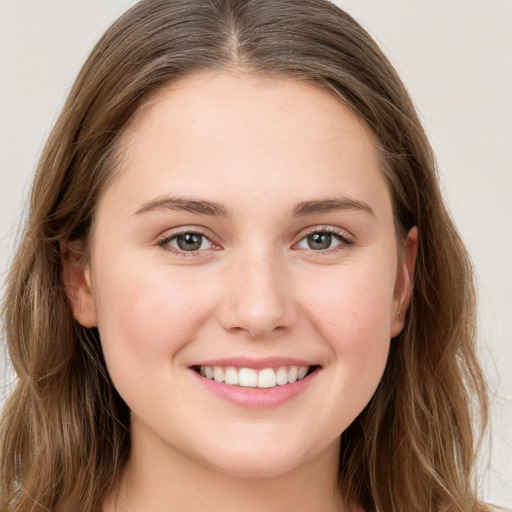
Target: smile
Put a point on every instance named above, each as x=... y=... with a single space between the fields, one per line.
x=256 y=382
x=250 y=377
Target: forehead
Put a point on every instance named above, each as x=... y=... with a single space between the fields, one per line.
x=218 y=99
x=223 y=134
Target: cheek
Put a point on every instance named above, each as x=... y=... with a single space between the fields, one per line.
x=350 y=304
x=145 y=317
x=353 y=317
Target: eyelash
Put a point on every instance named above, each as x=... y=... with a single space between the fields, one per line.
x=342 y=238
x=345 y=242
x=164 y=243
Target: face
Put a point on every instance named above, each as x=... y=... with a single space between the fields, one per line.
x=243 y=273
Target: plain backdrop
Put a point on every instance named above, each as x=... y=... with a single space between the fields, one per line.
x=455 y=57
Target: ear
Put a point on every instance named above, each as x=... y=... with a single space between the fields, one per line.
x=76 y=276
x=403 y=283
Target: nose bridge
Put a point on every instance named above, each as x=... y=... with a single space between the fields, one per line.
x=260 y=299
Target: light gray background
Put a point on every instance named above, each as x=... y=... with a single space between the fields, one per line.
x=455 y=56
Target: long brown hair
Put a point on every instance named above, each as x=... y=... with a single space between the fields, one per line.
x=65 y=430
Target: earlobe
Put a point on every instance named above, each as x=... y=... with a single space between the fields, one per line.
x=76 y=277
x=404 y=282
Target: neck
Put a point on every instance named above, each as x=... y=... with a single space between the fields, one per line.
x=160 y=479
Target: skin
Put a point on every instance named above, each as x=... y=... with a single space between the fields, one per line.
x=259 y=148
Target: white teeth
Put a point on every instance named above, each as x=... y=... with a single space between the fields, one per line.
x=248 y=377
x=218 y=374
x=282 y=376
x=292 y=374
x=267 y=378
x=231 y=376
x=302 y=372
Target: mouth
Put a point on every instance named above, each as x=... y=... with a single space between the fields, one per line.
x=265 y=378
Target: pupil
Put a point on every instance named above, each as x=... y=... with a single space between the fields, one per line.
x=319 y=240
x=189 y=242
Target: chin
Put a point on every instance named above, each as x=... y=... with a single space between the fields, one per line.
x=257 y=466
x=255 y=460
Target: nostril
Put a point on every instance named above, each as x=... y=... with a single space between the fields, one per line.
x=258 y=332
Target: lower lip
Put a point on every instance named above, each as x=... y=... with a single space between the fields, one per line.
x=256 y=398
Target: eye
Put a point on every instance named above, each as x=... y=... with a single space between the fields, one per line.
x=322 y=240
x=188 y=241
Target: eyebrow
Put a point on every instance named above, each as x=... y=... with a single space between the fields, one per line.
x=196 y=206
x=203 y=207
x=329 y=205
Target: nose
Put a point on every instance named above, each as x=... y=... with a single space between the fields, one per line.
x=258 y=300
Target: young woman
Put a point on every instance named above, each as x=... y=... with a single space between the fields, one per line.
x=239 y=287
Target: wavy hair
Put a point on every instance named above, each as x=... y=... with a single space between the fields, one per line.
x=65 y=431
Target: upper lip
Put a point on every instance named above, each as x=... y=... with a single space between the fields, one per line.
x=256 y=363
